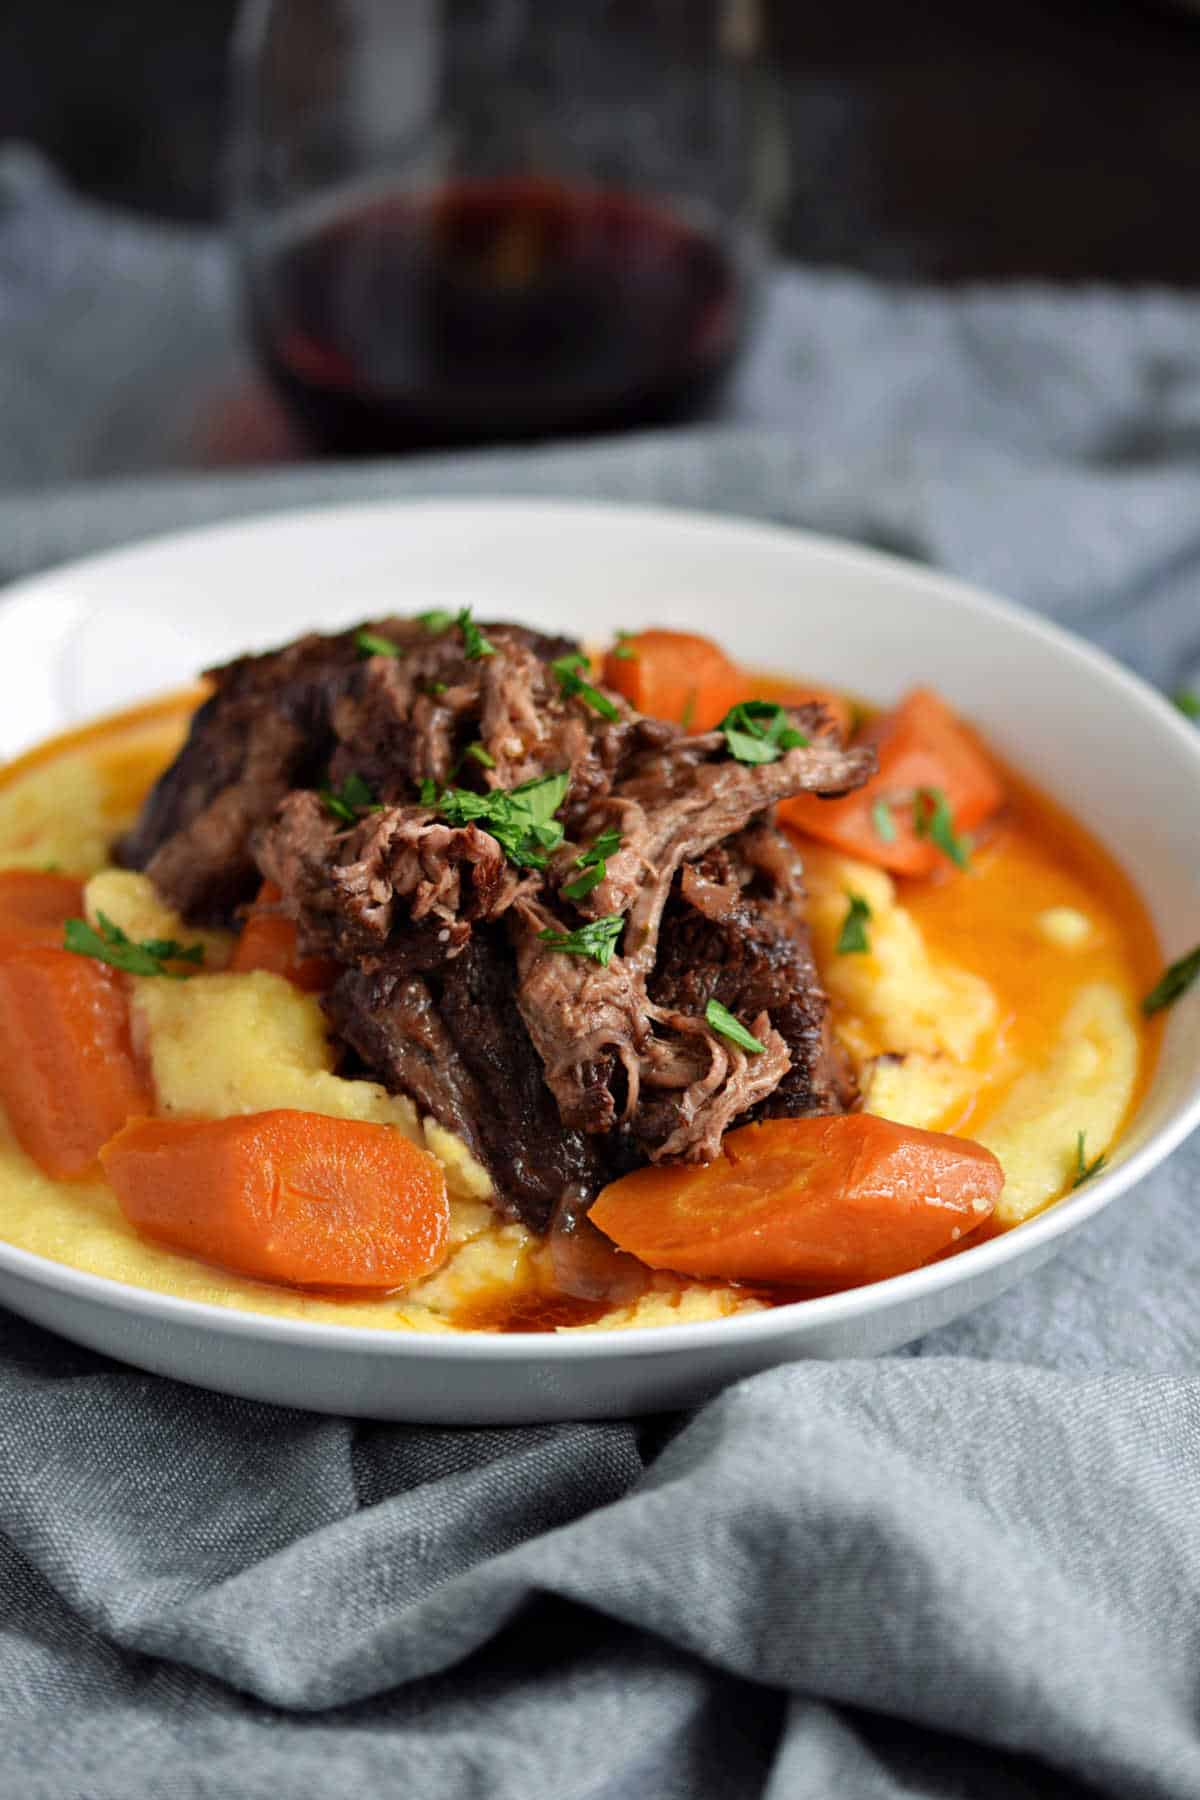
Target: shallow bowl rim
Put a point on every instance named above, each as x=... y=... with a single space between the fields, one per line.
x=675 y=1340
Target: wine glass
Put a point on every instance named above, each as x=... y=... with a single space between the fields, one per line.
x=476 y=220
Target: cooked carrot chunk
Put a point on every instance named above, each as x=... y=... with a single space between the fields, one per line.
x=924 y=753
x=680 y=676
x=68 y=1078
x=268 y=941
x=35 y=904
x=675 y=675
x=812 y=1202
x=286 y=1196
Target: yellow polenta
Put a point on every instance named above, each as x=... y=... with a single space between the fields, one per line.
x=1001 y=1004
x=933 y=1042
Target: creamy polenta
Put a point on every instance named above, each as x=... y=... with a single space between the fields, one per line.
x=1001 y=1003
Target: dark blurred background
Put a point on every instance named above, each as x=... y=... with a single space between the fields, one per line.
x=955 y=139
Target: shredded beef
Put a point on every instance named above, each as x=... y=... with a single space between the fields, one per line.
x=676 y=802
x=556 y=1069
x=732 y=933
x=348 y=888
x=315 y=711
x=266 y=729
x=601 y=1031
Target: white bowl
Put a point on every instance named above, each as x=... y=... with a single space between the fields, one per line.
x=104 y=632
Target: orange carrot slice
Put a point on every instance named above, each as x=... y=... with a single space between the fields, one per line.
x=812 y=1202
x=924 y=752
x=675 y=675
x=286 y=1196
x=268 y=941
x=68 y=1077
x=35 y=905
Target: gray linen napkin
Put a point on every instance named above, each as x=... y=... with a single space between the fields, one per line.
x=972 y=1570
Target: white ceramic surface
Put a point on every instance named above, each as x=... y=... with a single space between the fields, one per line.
x=107 y=631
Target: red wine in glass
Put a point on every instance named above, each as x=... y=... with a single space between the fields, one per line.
x=494 y=310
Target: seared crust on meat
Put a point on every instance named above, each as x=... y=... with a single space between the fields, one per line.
x=453 y=1040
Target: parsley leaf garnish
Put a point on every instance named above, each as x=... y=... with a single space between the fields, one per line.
x=594 y=864
x=597 y=939
x=852 y=939
x=111 y=945
x=882 y=820
x=623 y=650
x=1084 y=1170
x=353 y=797
x=1175 y=980
x=583 y=884
x=369 y=643
x=607 y=844
x=933 y=819
x=722 y=1020
x=474 y=642
x=479 y=754
x=521 y=819
x=567 y=668
x=759 y=731
x=1186 y=699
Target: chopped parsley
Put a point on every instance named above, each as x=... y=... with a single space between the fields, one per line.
x=1175 y=980
x=623 y=649
x=111 y=945
x=478 y=754
x=607 y=844
x=521 y=819
x=594 y=864
x=583 y=884
x=353 y=797
x=1084 y=1170
x=474 y=642
x=882 y=820
x=689 y=710
x=369 y=643
x=566 y=669
x=433 y=688
x=721 y=1019
x=852 y=939
x=933 y=819
x=759 y=731
x=597 y=939
x=1186 y=699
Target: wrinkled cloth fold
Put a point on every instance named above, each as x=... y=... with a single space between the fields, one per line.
x=968 y=1570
